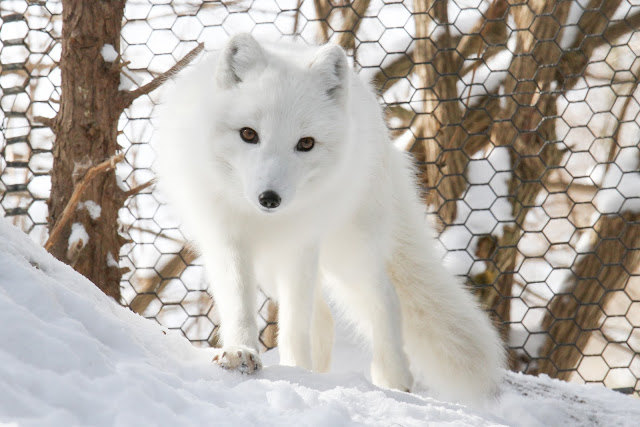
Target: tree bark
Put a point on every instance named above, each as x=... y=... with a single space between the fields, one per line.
x=86 y=128
x=566 y=316
x=526 y=125
x=576 y=313
x=438 y=131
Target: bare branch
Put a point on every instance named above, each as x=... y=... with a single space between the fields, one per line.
x=138 y=189
x=623 y=112
x=490 y=28
x=620 y=28
x=391 y=74
x=405 y=116
x=171 y=268
x=351 y=22
x=49 y=122
x=323 y=7
x=596 y=32
x=296 y=19
x=128 y=97
x=79 y=190
x=437 y=126
x=573 y=314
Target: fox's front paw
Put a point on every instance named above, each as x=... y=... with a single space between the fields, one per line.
x=242 y=359
x=385 y=373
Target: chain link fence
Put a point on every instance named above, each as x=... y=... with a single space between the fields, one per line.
x=523 y=117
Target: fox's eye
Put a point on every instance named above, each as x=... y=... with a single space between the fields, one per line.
x=305 y=144
x=249 y=135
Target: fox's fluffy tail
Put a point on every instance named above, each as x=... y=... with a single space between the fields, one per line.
x=452 y=346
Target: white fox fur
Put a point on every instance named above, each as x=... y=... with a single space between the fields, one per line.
x=350 y=220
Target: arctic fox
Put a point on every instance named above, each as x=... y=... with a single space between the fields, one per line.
x=278 y=158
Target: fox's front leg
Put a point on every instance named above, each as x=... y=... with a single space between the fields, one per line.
x=234 y=291
x=296 y=292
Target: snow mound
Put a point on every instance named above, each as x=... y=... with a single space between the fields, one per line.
x=72 y=356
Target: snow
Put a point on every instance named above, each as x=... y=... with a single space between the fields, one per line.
x=111 y=262
x=72 y=356
x=78 y=233
x=109 y=53
x=121 y=185
x=128 y=79
x=92 y=207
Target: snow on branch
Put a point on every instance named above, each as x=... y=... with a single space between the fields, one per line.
x=78 y=191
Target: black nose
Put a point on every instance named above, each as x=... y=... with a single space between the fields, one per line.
x=269 y=199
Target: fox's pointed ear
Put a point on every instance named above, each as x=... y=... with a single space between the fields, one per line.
x=241 y=55
x=330 y=64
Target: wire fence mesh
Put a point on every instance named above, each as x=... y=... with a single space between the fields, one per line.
x=523 y=118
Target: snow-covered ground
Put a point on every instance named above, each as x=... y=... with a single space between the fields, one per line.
x=71 y=356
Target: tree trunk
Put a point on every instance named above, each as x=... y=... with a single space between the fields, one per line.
x=438 y=131
x=526 y=125
x=577 y=313
x=86 y=128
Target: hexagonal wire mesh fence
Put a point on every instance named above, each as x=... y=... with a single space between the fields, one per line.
x=523 y=118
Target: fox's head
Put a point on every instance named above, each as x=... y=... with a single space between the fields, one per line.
x=280 y=121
